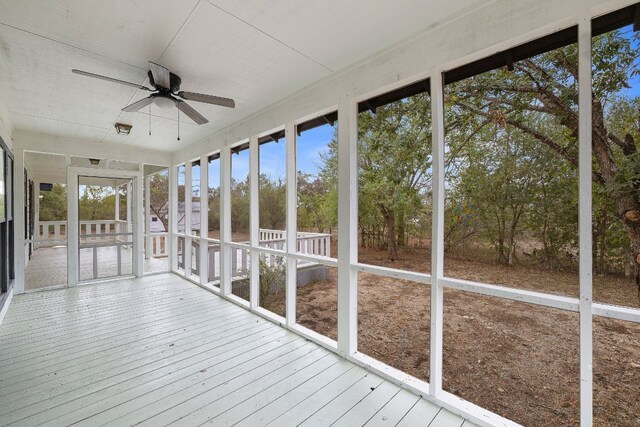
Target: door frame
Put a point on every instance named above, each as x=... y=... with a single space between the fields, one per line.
x=73 y=173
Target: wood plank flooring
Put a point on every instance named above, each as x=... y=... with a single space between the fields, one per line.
x=160 y=351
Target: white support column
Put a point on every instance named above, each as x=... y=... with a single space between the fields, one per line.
x=347 y=226
x=204 y=219
x=254 y=221
x=187 y=219
x=137 y=221
x=585 y=214
x=292 y=223
x=18 y=220
x=437 y=238
x=173 y=218
x=129 y=210
x=117 y=212
x=148 y=250
x=72 y=228
x=225 y=220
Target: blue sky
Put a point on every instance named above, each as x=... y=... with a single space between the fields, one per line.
x=634 y=81
x=311 y=144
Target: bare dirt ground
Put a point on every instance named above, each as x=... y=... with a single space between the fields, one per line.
x=516 y=359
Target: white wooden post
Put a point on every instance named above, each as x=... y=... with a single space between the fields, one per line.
x=19 y=219
x=130 y=199
x=187 y=219
x=437 y=238
x=137 y=221
x=173 y=218
x=292 y=224
x=347 y=226
x=148 y=250
x=254 y=222
x=117 y=213
x=72 y=227
x=585 y=213
x=204 y=219
x=225 y=220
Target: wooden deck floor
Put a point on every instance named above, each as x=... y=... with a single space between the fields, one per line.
x=161 y=351
x=48 y=266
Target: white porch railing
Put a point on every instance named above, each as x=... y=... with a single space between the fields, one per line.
x=308 y=243
x=51 y=233
x=159 y=243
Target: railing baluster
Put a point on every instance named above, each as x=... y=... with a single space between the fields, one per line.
x=119 y=249
x=95 y=262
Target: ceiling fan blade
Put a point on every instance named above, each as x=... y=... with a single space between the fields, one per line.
x=209 y=99
x=161 y=75
x=138 y=104
x=110 y=79
x=189 y=111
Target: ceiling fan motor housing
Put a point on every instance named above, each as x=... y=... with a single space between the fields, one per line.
x=174 y=80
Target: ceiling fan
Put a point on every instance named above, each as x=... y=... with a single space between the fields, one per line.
x=166 y=93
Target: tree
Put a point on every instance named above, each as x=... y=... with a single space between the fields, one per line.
x=312 y=200
x=53 y=205
x=394 y=163
x=272 y=203
x=544 y=89
x=159 y=200
x=214 y=208
x=240 y=205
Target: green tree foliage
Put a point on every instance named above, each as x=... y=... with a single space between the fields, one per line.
x=316 y=202
x=272 y=203
x=240 y=206
x=539 y=100
x=53 y=204
x=97 y=202
x=394 y=171
x=214 y=208
x=511 y=162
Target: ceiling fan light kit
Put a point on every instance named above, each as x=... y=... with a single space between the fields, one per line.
x=165 y=94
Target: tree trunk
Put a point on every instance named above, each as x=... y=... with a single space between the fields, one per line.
x=512 y=246
x=625 y=201
x=401 y=229
x=603 y=244
x=390 y=223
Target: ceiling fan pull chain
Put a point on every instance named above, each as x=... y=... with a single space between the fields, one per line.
x=178 y=124
x=149 y=119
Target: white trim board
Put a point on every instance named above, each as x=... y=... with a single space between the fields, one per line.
x=5 y=307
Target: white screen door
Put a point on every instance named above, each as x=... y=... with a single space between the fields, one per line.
x=106 y=241
x=104 y=224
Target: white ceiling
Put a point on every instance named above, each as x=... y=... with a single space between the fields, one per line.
x=254 y=51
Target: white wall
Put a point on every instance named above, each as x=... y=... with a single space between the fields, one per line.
x=482 y=32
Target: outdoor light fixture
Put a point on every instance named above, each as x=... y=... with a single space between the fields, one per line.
x=96 y=162
x=123 y=129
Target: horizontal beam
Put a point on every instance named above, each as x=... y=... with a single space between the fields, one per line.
x=628 y=314
x=531 y=297
x=394 y=273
